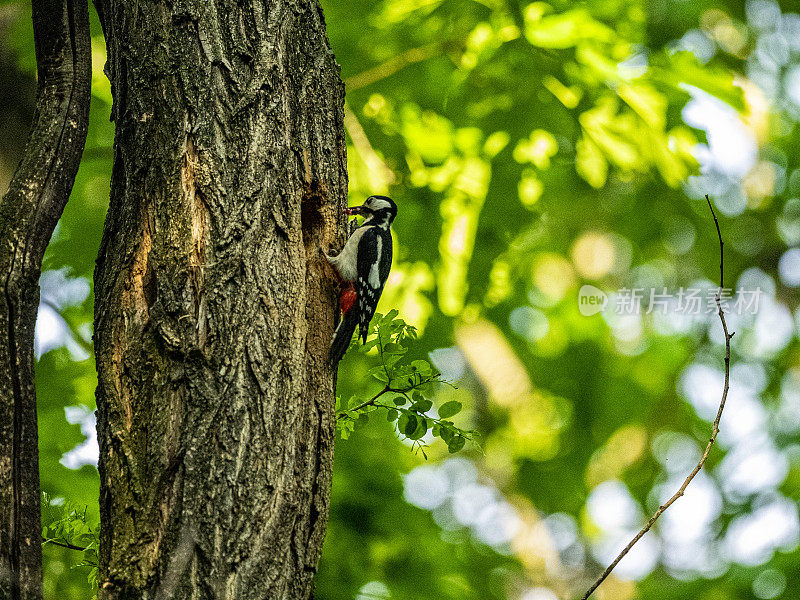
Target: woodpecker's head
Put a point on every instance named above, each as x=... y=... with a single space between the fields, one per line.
x=378 y=210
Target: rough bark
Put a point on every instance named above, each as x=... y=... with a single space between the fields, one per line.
x=28 y=214
x=213 y=309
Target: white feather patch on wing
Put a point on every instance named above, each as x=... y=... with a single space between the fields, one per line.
x=374 y=274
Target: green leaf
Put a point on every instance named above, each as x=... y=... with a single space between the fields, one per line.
x=426 y=388
x=448 y=432
x=456 y=444
x=400 y=400
x=402 y=422
x=420 y=430
x=371 y=343
x=361 y=421
x=380 y=375
x=344 y=404
x=345 y=428
x=390 y=316
x=423 y=367
x=392 y=348
x=392 y=415
x=590 y=163
x=422 y=405
x=391 y=359
x=448 y=409
x=403 y=382
x=563 y=30
x=411 y=425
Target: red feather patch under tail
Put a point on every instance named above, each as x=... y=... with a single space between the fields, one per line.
x=348 y=298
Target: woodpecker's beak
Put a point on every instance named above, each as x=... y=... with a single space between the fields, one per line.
x=354 y=210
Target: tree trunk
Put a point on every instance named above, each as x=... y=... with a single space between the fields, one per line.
x=29 y=212
x=214 y=311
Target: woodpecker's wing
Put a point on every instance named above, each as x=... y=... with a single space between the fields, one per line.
x=373 y=264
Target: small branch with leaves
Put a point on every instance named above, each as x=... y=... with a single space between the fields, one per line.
x=714 y=429
x=410 y=382
x=64 y=524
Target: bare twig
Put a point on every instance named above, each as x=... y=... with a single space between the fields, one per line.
x=387 y=389
x=364 y=148
x=393 y=65
x=714 y=430
x=66 y=545
x=370 y=402
x=368 y=77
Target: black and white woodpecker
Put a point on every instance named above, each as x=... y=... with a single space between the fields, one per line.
x=363 y=265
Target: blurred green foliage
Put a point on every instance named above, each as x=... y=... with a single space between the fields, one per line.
x=533 y=148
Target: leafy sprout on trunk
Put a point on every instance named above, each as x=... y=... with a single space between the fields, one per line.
x=408 y=387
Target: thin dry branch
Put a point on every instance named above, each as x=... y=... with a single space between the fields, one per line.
x=66 y=545
x=362 y=145
x=393 y=65
x=714 y=430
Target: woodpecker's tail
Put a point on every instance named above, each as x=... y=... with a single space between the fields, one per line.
x=343 y=335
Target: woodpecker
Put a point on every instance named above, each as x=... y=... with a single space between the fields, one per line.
x=363 y=264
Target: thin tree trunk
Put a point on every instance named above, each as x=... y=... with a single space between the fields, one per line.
x=213 y=309
x=28 y=214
